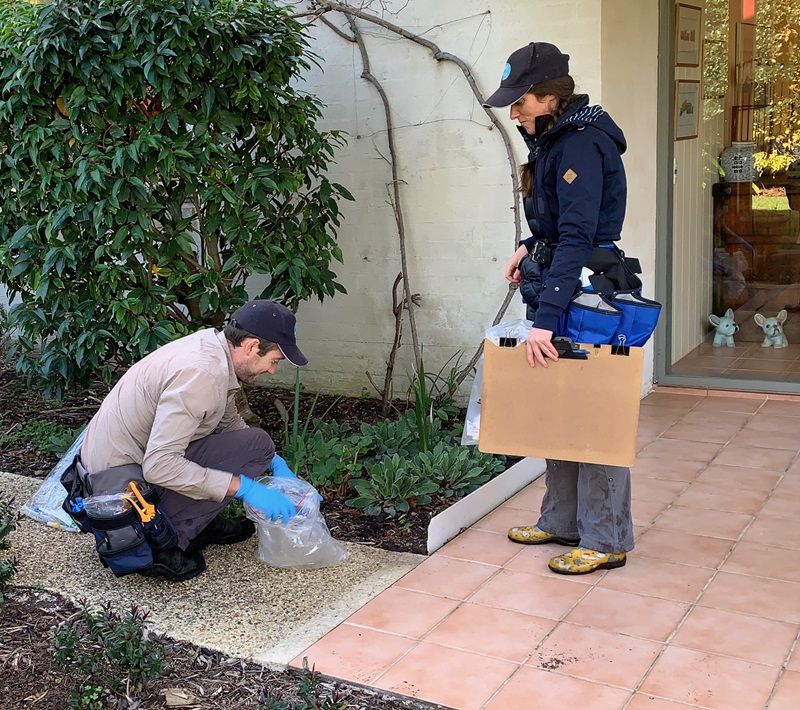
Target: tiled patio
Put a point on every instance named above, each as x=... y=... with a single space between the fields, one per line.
x=706 y=613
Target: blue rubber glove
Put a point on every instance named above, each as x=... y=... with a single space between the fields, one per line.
x=274 y=504
x=280 y=469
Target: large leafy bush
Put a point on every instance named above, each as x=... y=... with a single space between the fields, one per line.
x=153 y=155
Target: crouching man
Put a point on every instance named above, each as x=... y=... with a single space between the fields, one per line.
x=173 y=414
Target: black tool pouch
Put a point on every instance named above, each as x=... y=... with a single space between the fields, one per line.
x=124 y=542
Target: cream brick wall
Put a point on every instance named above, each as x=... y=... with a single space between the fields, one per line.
x=456 y=187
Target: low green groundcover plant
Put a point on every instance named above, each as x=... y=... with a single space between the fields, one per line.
x=8 y=523
x=111 y=653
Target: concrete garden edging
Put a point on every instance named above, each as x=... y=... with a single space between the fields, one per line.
x=467 y=511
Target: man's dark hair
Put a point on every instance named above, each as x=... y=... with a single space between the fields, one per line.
x=236 y=336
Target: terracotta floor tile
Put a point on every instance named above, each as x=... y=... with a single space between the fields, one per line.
x=505 y=517
x=758 y=596
x=480 y=546
x=708 y=680
x=632 y=614
x=666 y=580
x=728 y=404
x=533 y=559
x=781 y=505
x=652 y=429
x=727 y=633
x=401 y=611
x=592 y=654
x=529 y=498
x=548 y=596
x=739 y=477
x=447 y=577
x=763 y=561
x=787 y=692
x=667 y=469
x=655 y=490
x=682 y=548
x=676 y=450
x=704 y=433
x=713 y=523
x=755 y=457
x=781 y=408
x=503 y=634
x=650 y=702
x=354 y=653
x=765 y=440
x=716 y=418
x=775 y=532
x=789 y=485
x=448 y=676
x=644 y=512
x=715 y=497
x=794 y=661
x=668 y=400
x=533 y=688
x=772 y=424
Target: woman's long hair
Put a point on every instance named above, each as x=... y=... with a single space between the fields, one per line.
x=563 y=88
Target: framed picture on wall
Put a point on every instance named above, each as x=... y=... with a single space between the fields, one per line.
x=688 y=35
x=687 y=109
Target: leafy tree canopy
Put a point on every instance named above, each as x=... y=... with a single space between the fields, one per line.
x=153 y=155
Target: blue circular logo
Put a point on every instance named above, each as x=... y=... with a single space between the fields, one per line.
x=506 y=72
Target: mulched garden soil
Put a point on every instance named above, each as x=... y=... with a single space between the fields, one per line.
x=30 y=678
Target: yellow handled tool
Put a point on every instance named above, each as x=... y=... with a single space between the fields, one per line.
x=146 y=511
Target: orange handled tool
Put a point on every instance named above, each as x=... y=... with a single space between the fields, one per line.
x=146 y=511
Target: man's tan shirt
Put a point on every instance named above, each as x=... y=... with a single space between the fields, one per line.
x=180 y=393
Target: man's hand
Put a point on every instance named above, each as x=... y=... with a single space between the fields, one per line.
x=274 y=504
x=539 y=345
x=280 y=469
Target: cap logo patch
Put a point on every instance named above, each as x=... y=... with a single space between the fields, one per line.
x=570 y=176
x=506 y=72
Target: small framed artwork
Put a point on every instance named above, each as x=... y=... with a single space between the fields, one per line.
x=688 y=35
x=687 y=109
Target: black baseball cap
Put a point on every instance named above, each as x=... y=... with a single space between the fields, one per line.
x=528 y=66
x=271 y=321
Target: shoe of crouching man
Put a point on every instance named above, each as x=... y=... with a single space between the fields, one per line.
x=175 y=565
x=525 y=535
x=222 y=531
x=584 y=561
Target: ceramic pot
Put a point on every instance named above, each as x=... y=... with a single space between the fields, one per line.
x=737 y=162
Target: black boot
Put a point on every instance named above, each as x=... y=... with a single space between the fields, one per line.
x=175 y=565
x=222 y=531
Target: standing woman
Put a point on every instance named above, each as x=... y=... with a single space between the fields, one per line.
x=574 y=193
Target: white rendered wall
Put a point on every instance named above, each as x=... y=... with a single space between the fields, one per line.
x=456 y=184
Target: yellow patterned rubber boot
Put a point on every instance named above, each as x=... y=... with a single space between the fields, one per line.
x=535 y=536
x=583 y=561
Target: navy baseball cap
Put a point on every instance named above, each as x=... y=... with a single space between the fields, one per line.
x=528 y=66
x=271 y=321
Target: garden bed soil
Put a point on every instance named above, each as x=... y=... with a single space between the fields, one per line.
x=30 y=677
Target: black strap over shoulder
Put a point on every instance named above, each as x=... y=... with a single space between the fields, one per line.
x=613 y=271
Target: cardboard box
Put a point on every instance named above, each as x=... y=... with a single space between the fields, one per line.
x=583 y=410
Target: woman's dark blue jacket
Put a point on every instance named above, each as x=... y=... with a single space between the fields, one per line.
x=578 y=199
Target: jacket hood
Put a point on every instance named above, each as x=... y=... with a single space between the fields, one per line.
x=579 y=114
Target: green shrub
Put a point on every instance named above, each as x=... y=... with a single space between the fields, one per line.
x=458 y=470
x=110 y=652
x=154 y=156
x=45 y=437
x=772 y=163
x=392 y=486
x=8 y=523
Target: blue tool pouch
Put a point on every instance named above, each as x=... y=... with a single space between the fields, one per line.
x=590 y=318
x=124 y=542
x=639 y=318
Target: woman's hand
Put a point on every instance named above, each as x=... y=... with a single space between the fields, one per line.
x=512 y=267
x=539 y=345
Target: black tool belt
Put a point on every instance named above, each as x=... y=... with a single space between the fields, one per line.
x=541 y=252
x=125 y=537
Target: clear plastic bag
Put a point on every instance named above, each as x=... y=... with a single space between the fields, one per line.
x=472 y=422
x=44 y=506
x=509 y=334
x=106 y=505
x=305 y=541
